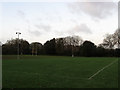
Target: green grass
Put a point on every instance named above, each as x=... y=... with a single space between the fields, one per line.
x=58 y=72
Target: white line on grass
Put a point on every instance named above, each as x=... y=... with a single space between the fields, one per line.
x=101 y=69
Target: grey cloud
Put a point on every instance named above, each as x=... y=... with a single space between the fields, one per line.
x=83 y=28
x=59 y=33
x=21 y=13
x=74 y=21
x=38 y=29
x=94 y=9
x=80 y=28
x=23 y=16
x=35 y=32
x=43 y=27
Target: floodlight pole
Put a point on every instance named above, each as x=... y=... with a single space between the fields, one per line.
x=18 y=44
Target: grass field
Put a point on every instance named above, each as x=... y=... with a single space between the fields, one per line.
x=59 y=72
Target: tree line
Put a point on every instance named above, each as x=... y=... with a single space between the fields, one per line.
x=67 y=46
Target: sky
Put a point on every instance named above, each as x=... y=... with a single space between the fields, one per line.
x=42 y=21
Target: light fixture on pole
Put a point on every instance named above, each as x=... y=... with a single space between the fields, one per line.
x=18 y=44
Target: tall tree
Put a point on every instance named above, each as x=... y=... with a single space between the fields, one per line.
x=24 y=47
x=116 y=37
x=49 y=47
x=108 y=42
x=11 y=46
x=73 y=41
x=36 y=48
x=60 y=43
x=88 y=49
x=112 y=41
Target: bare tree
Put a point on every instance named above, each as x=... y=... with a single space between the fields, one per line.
x=112 y=40
x=73 y=41
x=116 y=37
x=108 y=42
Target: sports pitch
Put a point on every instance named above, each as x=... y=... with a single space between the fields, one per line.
x=59 y=72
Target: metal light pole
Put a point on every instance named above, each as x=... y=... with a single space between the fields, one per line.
x=18 y=44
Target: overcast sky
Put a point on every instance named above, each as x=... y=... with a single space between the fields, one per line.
x=42 y=21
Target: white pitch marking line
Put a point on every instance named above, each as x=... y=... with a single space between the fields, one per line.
x=102 y=69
